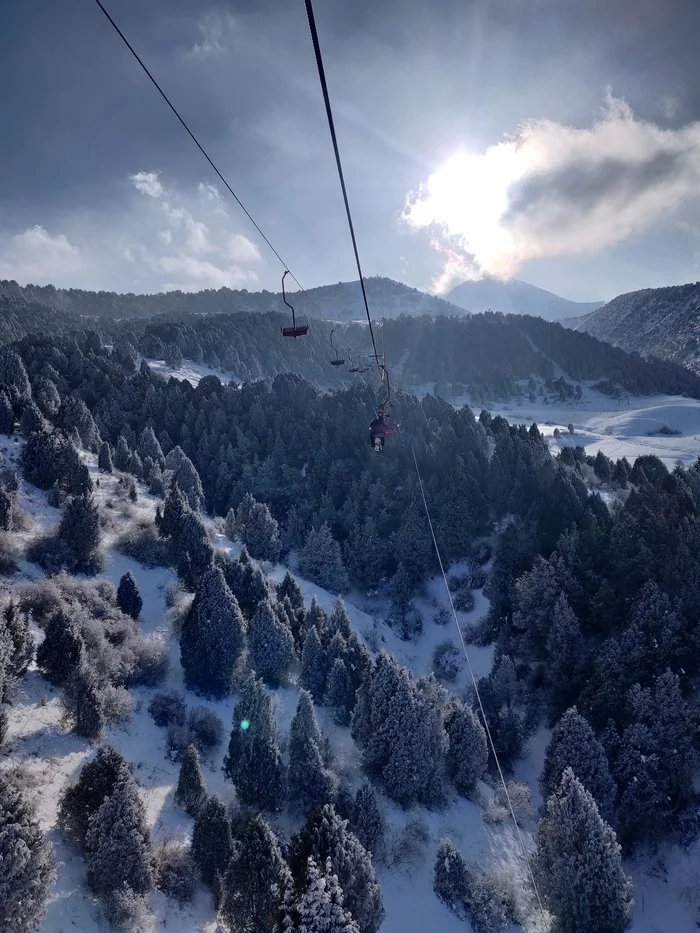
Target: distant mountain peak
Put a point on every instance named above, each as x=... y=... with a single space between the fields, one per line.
x=516 y=297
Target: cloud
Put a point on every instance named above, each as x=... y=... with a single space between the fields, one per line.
x=37 y=256
x=147 y=183
x=199 y=273
x=240 y=249
x=215 y=28
x=554 y=190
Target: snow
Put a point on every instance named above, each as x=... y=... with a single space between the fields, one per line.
x=191 y=371
x=666 y=887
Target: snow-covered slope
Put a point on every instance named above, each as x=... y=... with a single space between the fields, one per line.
x=664 y=322
x=514 y=297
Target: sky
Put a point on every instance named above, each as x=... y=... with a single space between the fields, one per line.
x=550 y=140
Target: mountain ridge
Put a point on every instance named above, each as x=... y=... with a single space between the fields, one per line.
x=516 y=297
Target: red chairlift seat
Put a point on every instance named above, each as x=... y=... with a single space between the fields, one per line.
x=384 y=430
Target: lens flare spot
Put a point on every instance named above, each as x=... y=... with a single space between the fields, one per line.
x=245 y=724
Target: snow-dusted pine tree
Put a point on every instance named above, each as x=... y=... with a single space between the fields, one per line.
x=191 y=791
x=321 y=560
x=271 y=645
x=565 y=655
x=27 y=865
x=212 y=845
x=589 y=893
x=260 y=533
x=467 y=754
x=86 y=702
x=80 y=529
x=325 y=836
x=451 y=881
x=314 y=665
x=573 y=745
x=98 y=778
x=104 y=458
x=254 y=762
x=257 y=881
x=290 y=588
x=340 y=695
x=212 y=636
x=128 y=596
x=193 y=550
x=321 y=908
x=149 y=446
x=118 y=843
x=310 y=782
x=58 y=656
x=367 y=820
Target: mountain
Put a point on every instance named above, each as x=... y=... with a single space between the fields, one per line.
x=514 y=297
x=340 y=302
x=663 y=322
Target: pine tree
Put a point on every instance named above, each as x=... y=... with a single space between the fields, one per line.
x=340 y=696
x=321 y=562
x=212 y=636
x=310 y=782
x=59 y=655
x=271 y=645
x=212 y=843
x=290 y=588
x=98 y=780
x=80 y=529
x=128 y=596
x=174 y=512
x=193 y=550
x=118 y=843
x=321 y=907
x=643 y=809
x=467 y=754
x=574 y=745
x=325 y=836
x=188 y=479
x=565 y=655
x=149 y=446
x=13 y=375
x=314 y=665
x=7 y=415
x=368 y=822
x=191 y=791
x=257 y=881
x=260 y=533
x=21 y=644
x=402 y=589
x=104 y=458
x=27 y=865
x=85 y=699
x=254 y=762
x=31 y=421
x=451 y=880
x=589 y=893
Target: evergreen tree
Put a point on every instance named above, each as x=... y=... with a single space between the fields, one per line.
x=402 y=589
x=565 y=655
x=188 y=479
x=20 y=644
x=340 y=696
x=104 y=458
x=27 y=865
x=451 y=881
x=325 y=836
x=321 y=562
x=122 y=454
x=193 y=550
x=254 y=762
x=98 y=780
x=59 y=655
x=589 y=893
x=212 y=843
x=290 y=588
x=574 y=745
x=80 y=529
x=321 y=907
x=212 y=636
x=365 y=554
x=643 y=809
x=367 y=821
x=128 y=596
x=86 y=702
x=467 y=753
x=260 y=533
x=118 y=843
x=31 y=421
x=149 y=446
x=271 y=645
x=191 y=791
x=13 y=375
x=174 y=512
x=256 y=882
x=310 y=782
x=7 y=415
x=314 y=665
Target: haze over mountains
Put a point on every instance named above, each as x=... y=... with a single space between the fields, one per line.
x=515 y=297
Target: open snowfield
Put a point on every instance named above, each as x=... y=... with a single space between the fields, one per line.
x=667 y=886
x=191 y=371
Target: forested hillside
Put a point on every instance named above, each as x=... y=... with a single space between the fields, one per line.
x=593 y=618
x=663 y=322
